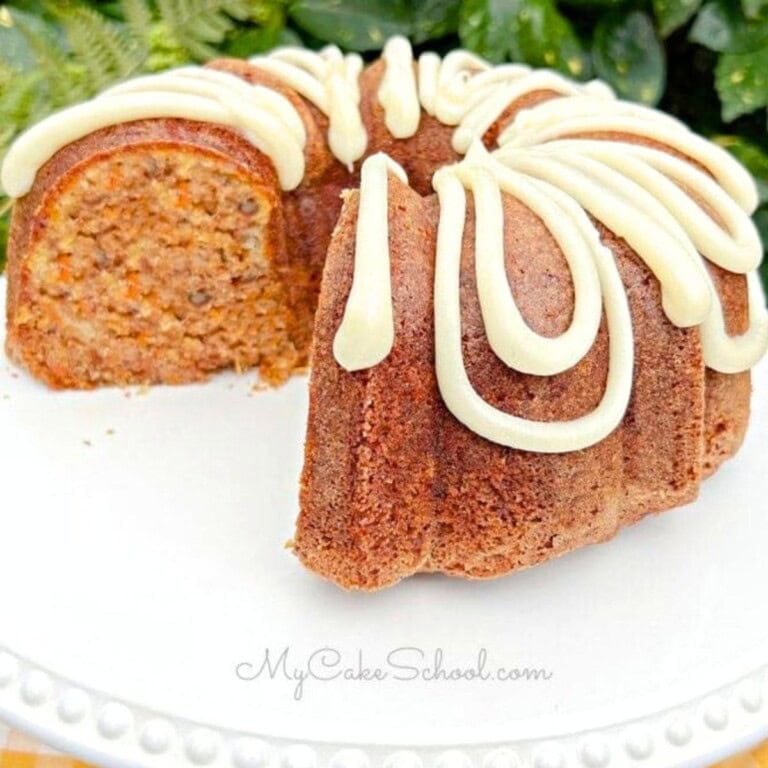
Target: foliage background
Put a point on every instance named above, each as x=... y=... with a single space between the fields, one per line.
x=705 y=61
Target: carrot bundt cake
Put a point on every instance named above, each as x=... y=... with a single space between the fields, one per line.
x=532 y=307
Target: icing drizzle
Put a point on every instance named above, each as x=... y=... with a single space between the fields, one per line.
x=367 y=331
x=677 y=199
x=398 y=92
x=329 y=80
x=455 y=387
x=267 y=119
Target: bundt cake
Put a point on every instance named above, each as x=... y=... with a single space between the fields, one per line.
x=538 y=304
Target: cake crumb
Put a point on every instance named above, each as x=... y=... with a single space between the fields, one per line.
x=87 y=443
x=290 y=544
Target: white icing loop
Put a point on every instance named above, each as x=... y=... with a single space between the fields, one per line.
x=509 y=335
x=222 y=86
x=630 y=212
x=487 y=111
x=455 y=387
x=452 y=90
x=560 y=118
x=733 y=354
x=636 y=191
x=367 y=331
x=736 y=248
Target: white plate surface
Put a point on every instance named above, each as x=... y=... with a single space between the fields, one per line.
x=142 y=565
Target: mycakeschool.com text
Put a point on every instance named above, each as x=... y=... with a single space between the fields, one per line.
x=402 y=665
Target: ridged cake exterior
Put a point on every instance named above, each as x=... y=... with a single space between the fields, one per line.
x=393 y=484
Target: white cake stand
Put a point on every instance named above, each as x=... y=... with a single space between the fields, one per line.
x=143 y=578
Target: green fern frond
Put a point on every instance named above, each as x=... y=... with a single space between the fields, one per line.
x=52 y=62
x=138 y=18
x=198 y=25
x=137 y=15
x=210 y=28
x=107 y=52
x=20 y=100
x=238 y=9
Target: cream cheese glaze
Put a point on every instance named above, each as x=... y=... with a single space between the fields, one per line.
x=265 y=118
x=367 y=330
x=398 y=92
x=676 y=198
x=329 y=80
x=455 y=387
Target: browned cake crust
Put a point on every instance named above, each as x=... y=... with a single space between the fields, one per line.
x=420 y=155
x=364 y=509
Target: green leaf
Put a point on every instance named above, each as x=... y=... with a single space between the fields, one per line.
x=362 y=25
x=593 y=3
x=752 y=156
x=742 y=82
x=722 y=26
x=365 y=25
x=433 y=19
x=530 y=31
x=271 y=32
x=485 y=27
x=673 y=14
x=628 y=54
x=165 y=51
x=289 y=37
x=753 y=8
